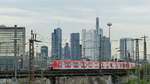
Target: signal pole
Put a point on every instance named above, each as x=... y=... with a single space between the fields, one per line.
x=31 y=56
x=137 y=59
x=145 y=59
x=15 y=52
x=100 y=54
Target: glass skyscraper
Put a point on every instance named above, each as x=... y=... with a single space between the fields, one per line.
x=89 y=44
x=95 y=46
x=90 y=50
x=56 y=52
x=106 y=48
x=75 y=46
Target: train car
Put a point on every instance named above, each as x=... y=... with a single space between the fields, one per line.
x=82 y=64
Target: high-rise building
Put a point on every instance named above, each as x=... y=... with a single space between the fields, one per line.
x=89 y=45
x=7 y=45
x=44 y=56
x=56 y=52
x=90 y=50
x=92 y=44
x=75 y=46
x=105 y=48
x=99 y=30
x=67 y=55
x=99 y=35
x=126 y=49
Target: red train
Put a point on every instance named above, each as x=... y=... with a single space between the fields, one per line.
x=79 y=64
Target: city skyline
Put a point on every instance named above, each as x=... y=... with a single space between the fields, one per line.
x=73 y=16
x=79 y=13
x=74 y=41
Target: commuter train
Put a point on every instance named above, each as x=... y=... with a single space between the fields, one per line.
x=82 y=64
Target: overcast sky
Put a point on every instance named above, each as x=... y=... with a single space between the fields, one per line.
x=130 y=18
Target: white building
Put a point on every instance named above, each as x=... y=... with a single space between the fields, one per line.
x=95 y=46
x=89 y=44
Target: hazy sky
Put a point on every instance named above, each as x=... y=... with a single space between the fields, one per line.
x=130 y=18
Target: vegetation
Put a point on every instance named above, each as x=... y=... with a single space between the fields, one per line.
x=135 y=82
x=142 y=71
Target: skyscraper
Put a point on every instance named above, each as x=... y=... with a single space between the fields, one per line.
x=126 y=48
x=89 y=48
x=75 y=46
x=67 y=55
x=99 y=30
x=44 y=56
x=106 y=48
x=99 y=35
x=56 y=44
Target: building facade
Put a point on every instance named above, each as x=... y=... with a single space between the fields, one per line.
x=7 y=45
x=75 y=46
x=44 y=56
x=38 y=65
x=105 y=49
x=99 y=36
x=126 y=49
x=67 y=55
x=56 y=52
x=95 y=46
x=89 y=44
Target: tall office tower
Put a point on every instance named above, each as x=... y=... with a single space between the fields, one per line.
x=99 y=35
x=126 y=49
x=44 y=56
x=7 y=46
x=57 y=44
x=89 y=45
x=75 y=46
x=67 y=55
x=99 y=30
x=106 y=49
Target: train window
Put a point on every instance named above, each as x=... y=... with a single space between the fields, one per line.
x=83 y=64
x=124 y=65
x=60 y=65
x=120 y=65
x=90 y=64
x=67 y=64
x=102 y=65
x=111 y=65
x=76 y=64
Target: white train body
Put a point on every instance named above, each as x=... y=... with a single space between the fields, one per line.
x=79 y=64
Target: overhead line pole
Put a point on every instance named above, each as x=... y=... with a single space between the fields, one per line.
x=31 y=56
x=137 y=59
x=145 y=59
x=15 y=52
x=100 y=53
